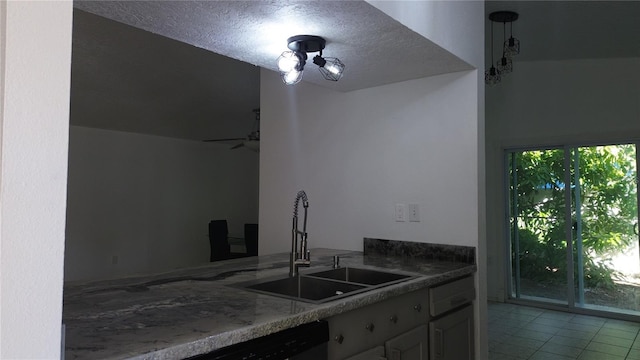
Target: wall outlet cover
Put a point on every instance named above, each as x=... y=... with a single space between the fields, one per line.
x=414 y=212
x=401 y=212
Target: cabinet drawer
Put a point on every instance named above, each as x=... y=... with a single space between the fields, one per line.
x=451 y=295
x=370 y=326
x=376 y=353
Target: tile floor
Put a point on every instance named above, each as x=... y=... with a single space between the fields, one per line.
x=520 y=332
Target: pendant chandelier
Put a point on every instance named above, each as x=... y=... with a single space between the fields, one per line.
x=510 y=48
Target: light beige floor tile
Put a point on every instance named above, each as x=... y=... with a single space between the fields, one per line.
x=516 y=351
x=541 y=355
x=612 y=340
x=634 y=354
x=618 y=333
x=561 y=350
x=498 y=356
x=592 y=355
x=569 y=341
x=536 y=335
x=607 y=349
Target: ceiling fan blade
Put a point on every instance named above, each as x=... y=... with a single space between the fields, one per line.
x=237 y=146
x=230 y=139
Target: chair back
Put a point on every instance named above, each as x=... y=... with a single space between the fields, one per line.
x=218 y=233
x=251 y=239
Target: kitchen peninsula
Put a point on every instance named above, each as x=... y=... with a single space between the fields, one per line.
x=192 y=311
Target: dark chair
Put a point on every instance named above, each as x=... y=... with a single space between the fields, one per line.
x=251 y=239
x=219 y=240
x=218 y=233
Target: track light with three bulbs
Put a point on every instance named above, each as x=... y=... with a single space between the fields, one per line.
x=291 y=63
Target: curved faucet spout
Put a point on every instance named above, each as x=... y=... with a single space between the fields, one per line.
x=305 y=202
x=302 y=256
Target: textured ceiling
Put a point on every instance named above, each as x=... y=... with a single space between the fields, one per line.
x=561 y=30
x=167 y=67
x=376 y=49
x=162 y=73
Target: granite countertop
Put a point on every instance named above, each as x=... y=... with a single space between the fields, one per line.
x=187 y=312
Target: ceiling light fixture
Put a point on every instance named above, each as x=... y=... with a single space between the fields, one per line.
x=505 y=64
x=492 y=76
x=511 y=47
x=291 y=63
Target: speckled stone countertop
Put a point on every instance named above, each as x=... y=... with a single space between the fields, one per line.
x=187 y=312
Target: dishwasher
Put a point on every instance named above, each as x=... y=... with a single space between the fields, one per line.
x=307 y=341
x=451 y=331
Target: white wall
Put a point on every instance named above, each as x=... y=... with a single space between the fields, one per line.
x=453 y=25
x=35 y=58
x=148 y=200
x=553 y=103
x=358 y=154
x=458 y=26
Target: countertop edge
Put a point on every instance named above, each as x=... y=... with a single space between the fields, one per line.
x=323 y=311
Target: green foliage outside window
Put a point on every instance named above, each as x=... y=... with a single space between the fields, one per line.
x=607 y=176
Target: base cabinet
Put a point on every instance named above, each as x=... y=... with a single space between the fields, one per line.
x=377 y=353
x=427 y=324
x=451 y=336
x=411 y=345
x=368 y=328
x=451 y=332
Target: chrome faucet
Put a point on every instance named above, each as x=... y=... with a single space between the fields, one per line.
x=303 y=256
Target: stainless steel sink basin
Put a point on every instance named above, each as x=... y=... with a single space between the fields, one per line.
x=326 y=285
x=360 y=276
x=308 y=288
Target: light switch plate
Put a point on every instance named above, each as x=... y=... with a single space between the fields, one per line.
x=414 y=212
x=401 y=213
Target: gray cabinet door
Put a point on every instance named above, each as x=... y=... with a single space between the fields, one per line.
x=377 y=353
x=451 y=336
x=412 y=345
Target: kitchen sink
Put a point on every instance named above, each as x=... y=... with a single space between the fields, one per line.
x=308 y=288
x=360 y=276
x=324 y=286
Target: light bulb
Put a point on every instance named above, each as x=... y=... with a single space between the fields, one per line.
x=505 y=65
x=492 y=76
x=512 y=47
x=288 y=61
x=330 y=68
x=292 y=77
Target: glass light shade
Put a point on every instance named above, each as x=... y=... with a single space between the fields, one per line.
x=511 y=47
x=492 y=76
x=332 y=69
x=292 y=77
x=505 y=65
x=288 y=61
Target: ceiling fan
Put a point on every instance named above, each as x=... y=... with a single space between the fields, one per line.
x=251 y=141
